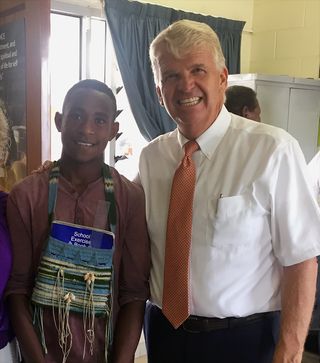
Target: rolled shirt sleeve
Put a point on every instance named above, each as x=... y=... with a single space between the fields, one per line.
x=293 y=208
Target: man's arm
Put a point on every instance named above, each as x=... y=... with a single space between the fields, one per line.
x=297 y=300
x=126 y=337
x=133 y=277
x=21 y=320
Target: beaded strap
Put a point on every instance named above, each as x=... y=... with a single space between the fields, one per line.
x=108 y=190
x=109 y=195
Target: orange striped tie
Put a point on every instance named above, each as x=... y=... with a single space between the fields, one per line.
x=175 y=301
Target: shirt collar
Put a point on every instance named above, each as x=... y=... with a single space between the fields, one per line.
x=210 y=139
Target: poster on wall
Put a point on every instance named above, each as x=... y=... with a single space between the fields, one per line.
x=12 y=104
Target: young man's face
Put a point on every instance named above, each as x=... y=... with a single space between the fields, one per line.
x=191 y=89
x=86 y=125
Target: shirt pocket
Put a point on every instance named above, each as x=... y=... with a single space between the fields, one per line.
x=237 y=223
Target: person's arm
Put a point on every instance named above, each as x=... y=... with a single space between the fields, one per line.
x=21 y=320
x=20 y=284
x=126 y=339
x=134 y=274
x=297 y=299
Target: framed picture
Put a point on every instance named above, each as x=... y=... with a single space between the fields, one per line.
x=13 y=157
x=24 y=88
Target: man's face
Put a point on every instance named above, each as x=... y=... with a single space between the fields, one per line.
x=192 y=89
x=86 y=125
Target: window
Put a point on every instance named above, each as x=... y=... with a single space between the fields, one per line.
x=80 y=47
x=64 y=61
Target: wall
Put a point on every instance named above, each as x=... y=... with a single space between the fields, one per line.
x=286 y=38
x=280 y=36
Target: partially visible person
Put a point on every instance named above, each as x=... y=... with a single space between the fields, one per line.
x=19 y=166
x=250 y=270
x=313 y=340
x=242 y=101
x=314 y=173
x=12 y=162
x=8 y=352
x=75 y=293
x=4 y=152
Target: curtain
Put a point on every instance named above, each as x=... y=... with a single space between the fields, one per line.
x=133 y=26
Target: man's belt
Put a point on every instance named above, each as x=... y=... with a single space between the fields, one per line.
x=199 y=324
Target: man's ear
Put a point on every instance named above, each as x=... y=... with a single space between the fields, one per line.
x=224 y=77
x=245 y=111
x=159 y=96
x=58 y=121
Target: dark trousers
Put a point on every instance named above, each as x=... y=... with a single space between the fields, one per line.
x=248 y=343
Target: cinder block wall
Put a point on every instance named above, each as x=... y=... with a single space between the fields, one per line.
x=286 y=37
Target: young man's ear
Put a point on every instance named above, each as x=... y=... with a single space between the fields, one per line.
x=114 y=130
x=58 y=121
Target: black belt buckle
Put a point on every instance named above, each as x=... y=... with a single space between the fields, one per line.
x=196 y=324
x=193 y=325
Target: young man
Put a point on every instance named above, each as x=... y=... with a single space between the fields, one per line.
x=58 y=318
x=254 y=225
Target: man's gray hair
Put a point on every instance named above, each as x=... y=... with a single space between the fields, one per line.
x=180 y=37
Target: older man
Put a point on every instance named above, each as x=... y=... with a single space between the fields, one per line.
x=231 y=243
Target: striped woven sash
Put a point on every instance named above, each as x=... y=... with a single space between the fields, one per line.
x=76 y=276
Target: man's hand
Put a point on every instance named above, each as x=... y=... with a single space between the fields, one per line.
x=283 y=355
x=297 y=300
x=45 y=166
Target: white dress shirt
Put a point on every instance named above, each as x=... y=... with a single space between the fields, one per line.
x=253 y=213
x=314 y=173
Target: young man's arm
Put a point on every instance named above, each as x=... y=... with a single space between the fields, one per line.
x=22 y=324
x=127 y=338
x=298 y=294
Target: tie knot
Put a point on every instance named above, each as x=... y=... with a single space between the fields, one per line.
x=190 y=147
